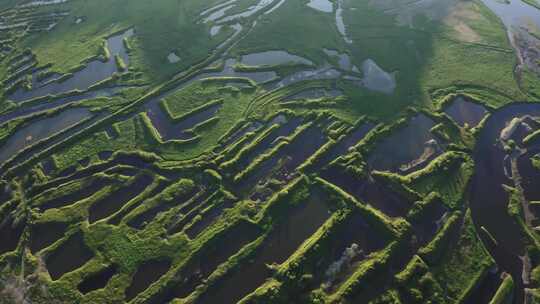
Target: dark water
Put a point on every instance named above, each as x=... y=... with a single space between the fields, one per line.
x=203 y=263
x=283 y=164
x=87 y=189
x=268 y=142
x=93 y=72
x=189 y=211
x=208 y=218
x=168 y=129
x=428 y=224
x=278 y=246
x=51 y=104
x=354 y=230
x=10 y=234
x=530 y=176
x=369 y=191
x=142 y=219
x=484 y=292
x=70 y=255
x=41 y=129
x=342 y=147
x=115 y=220
x=104 y=155
x=148 y=273
x=97 y=280
x=117 y=199
x=402 y=146
x=489 y=199
x=43 y=235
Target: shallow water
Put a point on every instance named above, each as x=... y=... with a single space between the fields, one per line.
x=466 y=112
x=314 y=94
x=217 y=6
x=92 y=73
x=218 y=14
x=515 y=14
x=521 y=20
x=344 y=60
x=41 y=129
x=47 y=105
x=273 y=58
x=377 y=79
x=324 y=6
x=214 y=30
x=249 y=12
x=340 y=23
x=173 y=58
x=324 y=72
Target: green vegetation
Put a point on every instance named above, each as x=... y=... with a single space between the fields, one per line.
x=504 y=293
x=200 y=178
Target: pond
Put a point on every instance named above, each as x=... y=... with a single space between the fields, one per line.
x=324 y=6
x=173 y=58
x=344 y=61
x=40 y=130
x=405 y=146
x=273 y=58
x=464 y=112
x=92 y=73
x=377 y=79
x=69 y=256
x=285 y=238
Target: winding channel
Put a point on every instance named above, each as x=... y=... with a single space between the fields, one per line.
x=489 y=200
